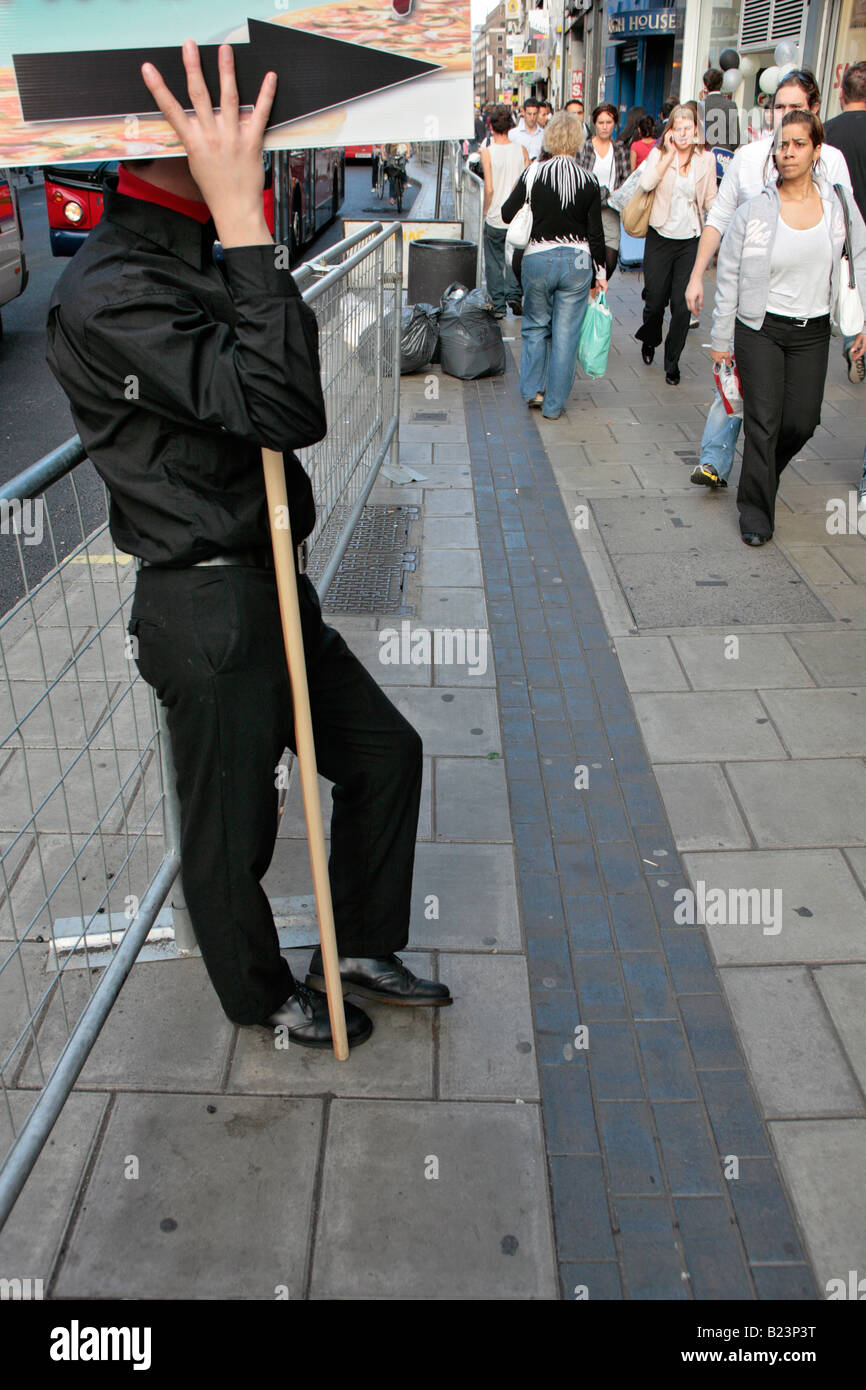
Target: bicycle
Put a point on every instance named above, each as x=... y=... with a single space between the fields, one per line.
x=380 y=178
x=396 y=171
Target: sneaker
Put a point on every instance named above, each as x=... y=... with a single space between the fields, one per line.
x=705 y=475
x=694 y=322
x=856 y=368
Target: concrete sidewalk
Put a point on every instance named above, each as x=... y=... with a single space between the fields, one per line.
x=619 y=1104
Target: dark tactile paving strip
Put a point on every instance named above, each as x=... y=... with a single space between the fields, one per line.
x=647 y=1108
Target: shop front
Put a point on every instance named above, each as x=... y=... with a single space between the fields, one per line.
x=846 y=45
x=640 y=55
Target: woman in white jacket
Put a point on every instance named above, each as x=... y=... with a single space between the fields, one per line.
x=777 y=286
x=684 y=179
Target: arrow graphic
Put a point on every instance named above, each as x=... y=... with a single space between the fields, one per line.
x=314 y=74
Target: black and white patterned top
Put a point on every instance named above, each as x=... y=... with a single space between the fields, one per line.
x=566 y=206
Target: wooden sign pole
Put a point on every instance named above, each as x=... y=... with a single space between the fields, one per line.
x=275 y=485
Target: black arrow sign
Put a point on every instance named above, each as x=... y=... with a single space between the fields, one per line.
x=314 y=74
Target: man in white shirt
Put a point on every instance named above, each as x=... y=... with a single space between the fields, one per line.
x=744 y=178
x=529 y=133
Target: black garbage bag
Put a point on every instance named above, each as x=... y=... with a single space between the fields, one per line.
x=419 y=337
x=470 y=340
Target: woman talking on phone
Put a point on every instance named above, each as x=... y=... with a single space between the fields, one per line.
x=777 y=286
x=684 y=179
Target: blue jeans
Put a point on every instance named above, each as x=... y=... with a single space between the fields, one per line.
x=556 y=288
x=502 y=284
x=720 y=437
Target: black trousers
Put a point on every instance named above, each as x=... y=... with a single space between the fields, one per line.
x=667 y=265
x=210 y=643
x=782 y=368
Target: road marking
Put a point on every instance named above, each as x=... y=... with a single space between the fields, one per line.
x=117 y=558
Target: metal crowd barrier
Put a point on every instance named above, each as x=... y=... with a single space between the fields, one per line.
x=89 y=821
x=468 y=193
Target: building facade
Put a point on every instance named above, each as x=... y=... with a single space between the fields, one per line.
x=642 y=52
x=489 y=57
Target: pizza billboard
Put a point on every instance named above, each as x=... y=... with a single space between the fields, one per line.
x=350 y=72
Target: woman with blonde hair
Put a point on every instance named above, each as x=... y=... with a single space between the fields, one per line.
x=562 y=263
x=683 y=176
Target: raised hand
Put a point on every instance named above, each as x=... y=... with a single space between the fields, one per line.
x=224 y=151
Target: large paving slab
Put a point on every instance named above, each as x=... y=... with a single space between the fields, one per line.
x=486 y=1044
x=842 y=989
x=817 y=801
x=31 y=1238
x=464 y=898
x=797 y=1064
x=823 y=1162
x=833 y=658
x=678 y=727
x=820 y=723
x=457 y=1211
x=700 y=807
x=397 y=1060
x=739 y=661
x=811 y=907
x=165 y=1032
x=155 y=1235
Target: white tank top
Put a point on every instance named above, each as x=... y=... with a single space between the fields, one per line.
x=506 y=166
x=800 y=269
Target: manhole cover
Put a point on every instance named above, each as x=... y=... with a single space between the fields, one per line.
x=373 y=570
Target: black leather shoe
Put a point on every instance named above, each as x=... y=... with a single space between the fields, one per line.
x=305 y=1015
x=752 y=538
x=647 y=353
x=673 y=378
x=384 y=978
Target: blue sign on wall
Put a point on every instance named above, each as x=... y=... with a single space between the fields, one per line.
x=654 y=20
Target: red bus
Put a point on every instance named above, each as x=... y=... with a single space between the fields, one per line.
x=304 y=190
x=308 y=188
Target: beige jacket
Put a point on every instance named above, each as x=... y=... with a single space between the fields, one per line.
x=705 y=184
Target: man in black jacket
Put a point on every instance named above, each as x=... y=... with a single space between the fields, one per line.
x=178 y=372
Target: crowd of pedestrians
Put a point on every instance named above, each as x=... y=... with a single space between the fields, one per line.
x=784 y=215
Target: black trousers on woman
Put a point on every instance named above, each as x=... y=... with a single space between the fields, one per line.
x=667 y=265
x=782 y=368
x=210 y=643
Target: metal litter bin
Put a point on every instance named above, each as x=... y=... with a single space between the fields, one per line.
x=435 y=263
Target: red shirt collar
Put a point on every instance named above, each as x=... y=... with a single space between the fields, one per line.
x=132 y=186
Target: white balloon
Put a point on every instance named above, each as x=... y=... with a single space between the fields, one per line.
x=769 y=80
x=784 y=70
x=731 y=80
x=748 y=66
x=785 y=52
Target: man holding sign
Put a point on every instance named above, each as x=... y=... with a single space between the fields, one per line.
x=178 y=373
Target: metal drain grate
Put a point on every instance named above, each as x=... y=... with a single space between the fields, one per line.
x=373 y=571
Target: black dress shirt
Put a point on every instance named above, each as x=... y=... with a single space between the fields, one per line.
x=178 y=373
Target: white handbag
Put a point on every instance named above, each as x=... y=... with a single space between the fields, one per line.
x=849 y=306
x=520 y=226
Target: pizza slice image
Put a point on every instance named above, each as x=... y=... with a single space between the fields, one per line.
x=433 y=31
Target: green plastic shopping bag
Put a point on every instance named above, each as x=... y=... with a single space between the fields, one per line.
x=594 y=344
